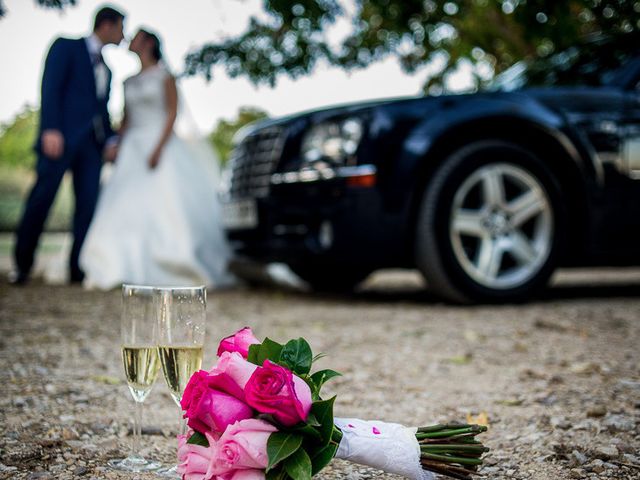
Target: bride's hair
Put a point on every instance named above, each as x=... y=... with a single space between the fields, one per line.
x=157 y=46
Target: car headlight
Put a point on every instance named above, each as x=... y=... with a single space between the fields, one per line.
x=333 y=141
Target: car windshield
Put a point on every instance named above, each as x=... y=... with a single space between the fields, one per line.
x=594 y=63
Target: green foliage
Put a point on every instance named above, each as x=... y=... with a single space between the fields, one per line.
x=198 y=438
x=296 y=354
x=222 y=136
x=267 y=350
x=298 y=465
x=323 y=411
x=14 y=186
x=280 y=446
x=322 y=457
x=319 y=378
x=487 y=35
x=17 y=139
x=59 y=4
x=17 y=159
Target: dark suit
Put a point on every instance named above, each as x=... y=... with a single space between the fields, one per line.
x=71 y=105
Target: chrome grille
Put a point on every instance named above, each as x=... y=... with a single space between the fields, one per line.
x=253 y=162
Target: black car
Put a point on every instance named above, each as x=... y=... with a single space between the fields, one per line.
x=486 y=193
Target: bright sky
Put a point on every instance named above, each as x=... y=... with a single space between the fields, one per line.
x=27 y=31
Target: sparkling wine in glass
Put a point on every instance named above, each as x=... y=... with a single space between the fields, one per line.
x=139 y=326
x=181 y=339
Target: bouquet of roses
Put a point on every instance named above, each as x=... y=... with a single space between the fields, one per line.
x=259 y=414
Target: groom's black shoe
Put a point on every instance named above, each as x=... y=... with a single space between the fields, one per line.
x=76 y=276
x=18 y=278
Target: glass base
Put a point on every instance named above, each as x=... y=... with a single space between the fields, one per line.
x=169 y=472
x=134 y=464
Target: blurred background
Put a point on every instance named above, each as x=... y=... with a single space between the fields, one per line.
x=247 y=59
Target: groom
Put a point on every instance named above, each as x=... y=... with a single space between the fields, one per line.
x=74 y=130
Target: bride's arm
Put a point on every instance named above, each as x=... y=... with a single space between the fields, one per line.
x=171 y=103
x=111 y=147
x=123 y=123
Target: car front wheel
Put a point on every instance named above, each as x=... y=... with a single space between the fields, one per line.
x=490 y=224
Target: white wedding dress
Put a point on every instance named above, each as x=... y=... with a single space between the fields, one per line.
x=156 y=227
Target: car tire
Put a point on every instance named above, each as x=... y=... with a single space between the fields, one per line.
x=490 y=225
x=325 y=278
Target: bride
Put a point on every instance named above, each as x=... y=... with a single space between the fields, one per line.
x=157 y=221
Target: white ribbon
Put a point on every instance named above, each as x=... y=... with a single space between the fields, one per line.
x=387 y=446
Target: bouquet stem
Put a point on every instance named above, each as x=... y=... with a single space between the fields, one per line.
x=451 y=449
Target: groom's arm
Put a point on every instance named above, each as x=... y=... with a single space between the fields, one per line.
x=110 y=136
x=53 y=79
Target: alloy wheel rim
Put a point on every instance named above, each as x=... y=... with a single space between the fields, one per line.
x=501 y=226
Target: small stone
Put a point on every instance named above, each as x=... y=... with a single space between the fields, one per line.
x=628 y=383
x=7 y=469
x=619 y=423
x=606 y=453
x=631 y=459
x=81 y=471
x=578 y=458
x=561 y=423
x=577 y=473
x=586 y=368
x=69 y=434
x=596 y=411
x=39 y=476
x=40 y=370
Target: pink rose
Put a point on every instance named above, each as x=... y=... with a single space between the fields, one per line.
x=238 y=342
x=252 y=474
x=242 y=446
x=275 y=390
x=194 y=461
x=208 y=409
x=231 y=374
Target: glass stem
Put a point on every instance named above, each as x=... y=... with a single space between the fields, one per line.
x=182 y=422
x=137 y=430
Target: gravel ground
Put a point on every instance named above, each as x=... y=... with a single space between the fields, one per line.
x=558 y=379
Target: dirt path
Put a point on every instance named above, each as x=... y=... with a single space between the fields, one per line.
x=559 y=378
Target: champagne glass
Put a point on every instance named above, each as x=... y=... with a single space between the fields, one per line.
x=181 y=339
x=139 y=327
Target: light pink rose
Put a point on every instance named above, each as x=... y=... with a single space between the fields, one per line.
x=231 y=374
x=242 y=446
x=275 y=390
x=209 y=409
x=238 y=342
x=194 y=461
x=252 y=474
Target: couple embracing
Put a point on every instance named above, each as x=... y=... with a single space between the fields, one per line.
x=156 y=221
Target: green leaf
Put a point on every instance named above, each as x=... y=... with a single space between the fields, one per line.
x=297 y=355
x=322 y=376
x=323 y=411
x=322 y=457
x=198 y=438
x=280 y=445
x=252 y=357
x=308 y=431
x=267 y=350
x=276 y=474
x=298 y=465
x=318 y=357
x=312 y=420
